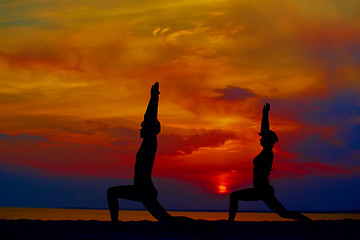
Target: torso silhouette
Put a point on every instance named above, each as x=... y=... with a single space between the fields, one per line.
x=262 y=167
x=143 y=166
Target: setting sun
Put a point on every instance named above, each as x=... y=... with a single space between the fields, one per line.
x=222 y=189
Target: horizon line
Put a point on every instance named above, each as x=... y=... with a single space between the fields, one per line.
x=196 y=210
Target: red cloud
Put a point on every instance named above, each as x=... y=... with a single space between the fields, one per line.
x=296 y=169
x=168 y=144
x=65 y=158
x=177 y=157
x=172 y=144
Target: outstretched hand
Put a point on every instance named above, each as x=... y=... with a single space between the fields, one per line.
x=266 y=108
x=155 y=89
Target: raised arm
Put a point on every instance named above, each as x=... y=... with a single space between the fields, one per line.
x=265 y=126
x=152 y=108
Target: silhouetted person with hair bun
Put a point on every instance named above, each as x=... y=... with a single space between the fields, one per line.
x=262 y=189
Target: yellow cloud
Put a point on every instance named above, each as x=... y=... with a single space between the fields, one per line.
x=156 y=31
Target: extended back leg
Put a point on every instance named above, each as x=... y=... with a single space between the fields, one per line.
x=156 y=210
x=278 y=208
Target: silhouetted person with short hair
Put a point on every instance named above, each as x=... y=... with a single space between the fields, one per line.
x=262 y=189
x=143 y=189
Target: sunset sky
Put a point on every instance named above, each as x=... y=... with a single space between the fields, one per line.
x=75 y=80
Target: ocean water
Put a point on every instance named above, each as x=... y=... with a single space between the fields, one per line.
x=10 y=213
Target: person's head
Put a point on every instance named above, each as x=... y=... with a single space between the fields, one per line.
x=268 y=139
x=150 y=128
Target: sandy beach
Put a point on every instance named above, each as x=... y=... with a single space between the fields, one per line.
x=200 y=229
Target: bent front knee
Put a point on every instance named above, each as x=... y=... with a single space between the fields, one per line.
x=233 y=197
x=110 y=192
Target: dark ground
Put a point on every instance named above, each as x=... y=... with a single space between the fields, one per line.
x=36 y=229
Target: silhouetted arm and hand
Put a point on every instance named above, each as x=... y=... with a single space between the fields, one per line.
x=265 y=125
x=152 y=108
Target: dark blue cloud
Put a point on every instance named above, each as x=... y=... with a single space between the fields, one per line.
x=350 y=135
x=342 y=112
x=234 y=93
x=315 y=148
x=330 y=131
x=334 y=111
x=22 y=137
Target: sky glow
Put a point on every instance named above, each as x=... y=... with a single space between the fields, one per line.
x=75 y=81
